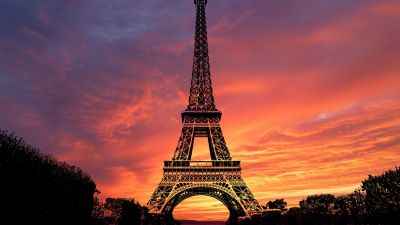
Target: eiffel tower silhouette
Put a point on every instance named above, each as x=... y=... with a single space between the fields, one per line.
x=219 y=177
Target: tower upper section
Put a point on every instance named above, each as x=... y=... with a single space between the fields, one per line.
x=200 y=2
x=201 y=97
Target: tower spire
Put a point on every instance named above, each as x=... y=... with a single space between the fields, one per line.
x=201 y=95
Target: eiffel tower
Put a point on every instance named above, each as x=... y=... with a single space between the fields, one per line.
x=219 y=177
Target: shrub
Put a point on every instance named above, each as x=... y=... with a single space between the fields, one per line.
x=38 y=189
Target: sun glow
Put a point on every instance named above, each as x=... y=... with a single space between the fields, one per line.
x=201 y=208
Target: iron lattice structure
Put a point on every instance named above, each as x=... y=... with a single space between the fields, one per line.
x=219 y=177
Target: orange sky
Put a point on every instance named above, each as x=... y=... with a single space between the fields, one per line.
x=310 y=93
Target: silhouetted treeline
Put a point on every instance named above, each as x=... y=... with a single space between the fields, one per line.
x=117 y=211
x=125 y=211
x=37 y=189
x=376 y=202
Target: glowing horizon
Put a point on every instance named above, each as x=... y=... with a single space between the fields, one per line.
x=309 y=92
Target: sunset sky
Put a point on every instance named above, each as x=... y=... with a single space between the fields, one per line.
x=309 y=90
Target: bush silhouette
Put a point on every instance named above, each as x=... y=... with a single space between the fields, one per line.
x=317 y=209
x=350 y=208
x=37 y=189
x=277 y=204
x=383 y=197
x=123 y=211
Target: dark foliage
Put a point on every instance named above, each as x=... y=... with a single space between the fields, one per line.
x=378 y=202
x=125 y=211
x=382 y=198
x=350 y=208
x=37 y=189
x=120 y=211
x=293 y=216
x=318 y=208
x=318 y=204
x=277 y=204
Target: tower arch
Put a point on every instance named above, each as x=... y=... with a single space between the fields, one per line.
x=224 y=196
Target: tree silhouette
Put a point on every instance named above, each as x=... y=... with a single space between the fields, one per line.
x=277 y=204
x=37 y=189
x=318 y=204
x=350 y=208
x=317 y=209
x=383 y=197
x=125 y=211
x=357 y=208
x=293 y=216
